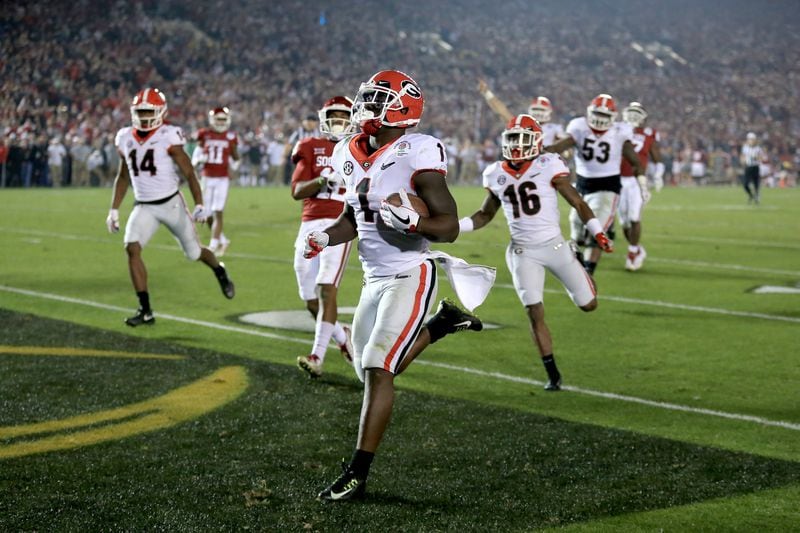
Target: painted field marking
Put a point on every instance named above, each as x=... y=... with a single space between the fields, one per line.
x=177 y=406
x=82 y=352
x=496 y=375
x=288 y=260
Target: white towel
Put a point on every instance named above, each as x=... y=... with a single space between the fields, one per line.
x=471 y=283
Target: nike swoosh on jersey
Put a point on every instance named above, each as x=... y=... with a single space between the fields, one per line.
x=384 y=166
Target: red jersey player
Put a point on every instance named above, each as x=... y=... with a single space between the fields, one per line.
x=216 y=150
x=634 y=195
x=322 y=193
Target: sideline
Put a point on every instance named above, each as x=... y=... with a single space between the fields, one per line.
x=495 y=375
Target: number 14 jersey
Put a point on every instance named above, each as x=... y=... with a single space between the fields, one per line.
x=530 y=202
x=153 y=173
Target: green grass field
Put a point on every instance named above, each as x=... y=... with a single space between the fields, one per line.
x=681 y=409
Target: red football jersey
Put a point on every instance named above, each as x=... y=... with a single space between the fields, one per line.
x=217 y=147
x=312 y=156
x=643 y=139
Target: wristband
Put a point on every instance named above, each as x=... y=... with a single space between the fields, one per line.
x=594 y=226
x=465 y=225
x=113 y=213
x=488 y=95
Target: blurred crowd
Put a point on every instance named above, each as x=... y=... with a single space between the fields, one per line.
x=69 y=69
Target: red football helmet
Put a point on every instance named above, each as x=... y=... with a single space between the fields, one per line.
x=389 y=98
x=635 y=115
x=336 y=127
x=148 y=109
x=600 y=114
x=522 y=138
x=219 y=119
x=540 y=109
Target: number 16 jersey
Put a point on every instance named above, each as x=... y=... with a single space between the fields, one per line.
x=530 y=202
x=153 y=173
x=370 y=178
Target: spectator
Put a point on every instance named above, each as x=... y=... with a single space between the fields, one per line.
x=56 y=153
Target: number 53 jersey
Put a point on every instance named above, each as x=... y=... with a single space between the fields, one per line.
x=153 y=173
x=530 y=202
x=598 y=155
x=370 y=178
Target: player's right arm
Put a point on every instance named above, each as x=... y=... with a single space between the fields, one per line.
x=481 y=217
x=560 y=145
x=121 y=183
x=342 y=230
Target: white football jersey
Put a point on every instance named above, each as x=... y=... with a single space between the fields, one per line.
x=384 y=251
x=598 y=156
x=552 y=132
x=152 y=170
x=530 y=202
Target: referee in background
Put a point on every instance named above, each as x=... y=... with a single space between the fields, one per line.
x=751 y=157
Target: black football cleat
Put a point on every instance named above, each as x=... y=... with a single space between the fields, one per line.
x=346 y=487
x=140 y=318
x=553 y=385
x=456 y=319
x=225 y=283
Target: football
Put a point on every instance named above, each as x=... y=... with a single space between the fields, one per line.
x=417 y=203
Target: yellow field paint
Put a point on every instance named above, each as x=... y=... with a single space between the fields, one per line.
x=62 y=351
x=182 y=404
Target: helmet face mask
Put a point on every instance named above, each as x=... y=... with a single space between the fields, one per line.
x=600 y=114
x=219 y=119
x=334 y=118
x=635 y=115
x=522 y=139
x=148 y=109
x=390 y=98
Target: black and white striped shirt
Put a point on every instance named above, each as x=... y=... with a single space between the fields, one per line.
x=752 y=155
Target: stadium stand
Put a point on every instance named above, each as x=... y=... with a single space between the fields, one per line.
x=69 y=69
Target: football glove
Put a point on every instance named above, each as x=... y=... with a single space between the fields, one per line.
x=604 y=242
x=643 y=186
x=403 y=218
x=199 y=214
x=112 y=221
x=315 y=242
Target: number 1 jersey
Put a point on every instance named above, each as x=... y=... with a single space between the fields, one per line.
x=370 y=178
x=153 y=173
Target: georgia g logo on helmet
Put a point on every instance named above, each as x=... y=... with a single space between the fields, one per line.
x=389 y=98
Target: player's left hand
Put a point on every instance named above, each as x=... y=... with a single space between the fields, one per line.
x=199 y=214
x=316 y=241
x=646 y=195
x=112 y=221
x=604 y=242
x=403 y=218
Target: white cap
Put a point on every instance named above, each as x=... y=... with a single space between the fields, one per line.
x=751 y=135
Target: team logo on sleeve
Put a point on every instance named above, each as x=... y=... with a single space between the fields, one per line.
x=501 y=180
x=348 y=167
x=402 y=148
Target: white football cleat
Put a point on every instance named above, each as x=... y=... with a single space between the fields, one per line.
x=347 y=346
x=310 y=364
x=635 y=261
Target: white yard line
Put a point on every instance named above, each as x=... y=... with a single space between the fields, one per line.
x=493 y=375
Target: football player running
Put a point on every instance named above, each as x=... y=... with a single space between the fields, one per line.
x=322 y=192
x=600 y=144
x=400 y=282
x=525 y=184
x=635 y=193
x=217 y=148
x=151 y=154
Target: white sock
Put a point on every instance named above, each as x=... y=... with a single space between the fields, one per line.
x=213 y=244
x=339 y=336
x=223 y=239
x=322 y=338
x=633 y=248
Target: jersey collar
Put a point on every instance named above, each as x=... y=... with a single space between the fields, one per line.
x=514 y=172
x=147 y=135
x=358 y=148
